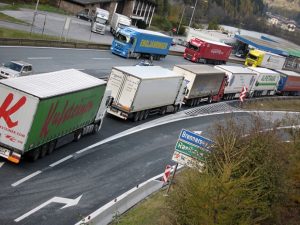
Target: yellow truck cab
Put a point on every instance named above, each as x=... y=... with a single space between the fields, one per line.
x=254 y=58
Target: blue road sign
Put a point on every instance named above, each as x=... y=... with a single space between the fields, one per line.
x=195 y=139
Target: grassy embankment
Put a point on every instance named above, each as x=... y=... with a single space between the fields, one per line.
x=151 y=210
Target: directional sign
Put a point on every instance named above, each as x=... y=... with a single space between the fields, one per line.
x=190 y=150
x=67 y=201
x=197 y=140
x=185 y=160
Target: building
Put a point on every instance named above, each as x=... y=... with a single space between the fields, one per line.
x=135 y=9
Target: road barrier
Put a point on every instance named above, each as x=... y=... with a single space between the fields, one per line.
x=83 y=45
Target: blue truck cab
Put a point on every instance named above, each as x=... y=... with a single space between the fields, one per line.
x=136 y=43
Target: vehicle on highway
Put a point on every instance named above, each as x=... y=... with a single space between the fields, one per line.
x=118 y=22
x=206 y=51
x=136 y=43
x=140 y=91
x=289 y=83
x=204 y=83
x=35 y=111
x=15 y=69
x=258 y=58
x=99 y=21
x=84 y=15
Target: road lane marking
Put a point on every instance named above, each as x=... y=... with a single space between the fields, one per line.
x=81 y=49
x=60 y=161
x=102 y=58
x=26 y=178
x=39 y=58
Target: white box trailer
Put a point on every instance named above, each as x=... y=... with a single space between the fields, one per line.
x=119 y=21
x=265 y=82
x=237 y=78
x=142 y=90
x=203 y=82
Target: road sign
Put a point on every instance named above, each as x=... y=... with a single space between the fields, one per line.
x=167 y=173
x=185 y=160
x=197 y=140
x=190 y=150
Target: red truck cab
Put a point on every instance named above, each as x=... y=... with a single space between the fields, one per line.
x=206 y=51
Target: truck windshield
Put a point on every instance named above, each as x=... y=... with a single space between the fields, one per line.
x=252 y=57
x=122 y=38
x=121 y=26
x=13 y=66
x=193 y=47
x=100 y=20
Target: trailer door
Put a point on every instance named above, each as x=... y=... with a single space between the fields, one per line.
x=128 y=93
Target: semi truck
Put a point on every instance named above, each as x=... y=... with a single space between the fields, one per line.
x=35 y=111
x=289 y=83
x=258 y=58
x=237 y=78
x=206 y=51
x=136 y=43
x=204 y=83
x=119 y=21
x=99 y=21
x=140 y=91
x=265 y=82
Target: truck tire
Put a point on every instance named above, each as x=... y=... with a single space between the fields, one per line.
x=51 y=147
x=163 y=111
x=33 y=154
x=176 y=108
x=141 y=117
x=146 y=114
x=43 y=151
x=77 y=135
x=136 y=116
x=96 y=128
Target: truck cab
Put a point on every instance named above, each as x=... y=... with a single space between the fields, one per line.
x=122 y=43
x=14 y=69
x=192 y=49
x=99 y=21
x=254 y=58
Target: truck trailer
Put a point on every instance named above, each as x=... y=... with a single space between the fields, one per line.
x=265 y=82
x=204 y=83
x=206 y=51
x=136 y=43
x=35 y=111
x=118 y=22
x=140 y=91
x=237 y=78
x=289 y=83
x=258 y=58
x=99 y=21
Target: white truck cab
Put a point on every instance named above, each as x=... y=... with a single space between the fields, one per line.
x=15 y=69
x=99 y=21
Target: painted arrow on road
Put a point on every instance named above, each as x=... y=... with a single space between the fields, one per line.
x=67 y=201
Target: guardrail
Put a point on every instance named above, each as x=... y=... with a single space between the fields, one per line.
x=69 y=44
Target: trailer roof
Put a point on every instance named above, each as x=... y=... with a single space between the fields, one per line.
x=200 y=69
x=46 y=85
x=261 y=70
x=147 y=72
x=145 y=31
x=289 y=73
x=235 y=69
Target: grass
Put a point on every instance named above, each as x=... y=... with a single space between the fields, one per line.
x=4 y=17
x=41 y=7
x=274 y=105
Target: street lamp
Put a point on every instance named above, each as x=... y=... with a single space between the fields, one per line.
x=180 y=20
x=194 y=7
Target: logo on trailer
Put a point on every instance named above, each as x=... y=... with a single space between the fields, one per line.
x=6 y=112
x=217 y=51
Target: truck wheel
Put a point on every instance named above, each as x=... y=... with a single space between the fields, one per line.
x=163 y=111
x=95 y=128
x=141 y=117
x=176 y=108
x=43 y=150
x=51 y=147
x=136 y=116
x=77 y=135
x=33 y=155
x=146 y=114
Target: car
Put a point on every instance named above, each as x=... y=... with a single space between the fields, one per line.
x=84 y=16
x=15 y=69
x=145 y=63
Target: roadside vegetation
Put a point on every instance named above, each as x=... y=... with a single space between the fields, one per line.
x=4 y=17
x=11 y=33
x=274 y=105
x=249 y=178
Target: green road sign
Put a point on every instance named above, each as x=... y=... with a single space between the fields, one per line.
x=190 y=150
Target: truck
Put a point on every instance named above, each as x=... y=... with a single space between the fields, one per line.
x=99 y=21
x=206 y=51
x=258 y=58
x=35 y=111
x=237 y=78
x=119 y=21
x=15 y=69
x=204 y=83
x=289 y=83
x=140 y=91
x=135 y=43
x=265 y=82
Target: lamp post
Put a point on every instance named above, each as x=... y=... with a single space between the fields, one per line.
x=180 y=20
x=194 y=7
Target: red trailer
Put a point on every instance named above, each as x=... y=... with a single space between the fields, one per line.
x=206 y=51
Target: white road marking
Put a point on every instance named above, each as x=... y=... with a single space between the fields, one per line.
x=102 y=58
x=79 y=49
x=39 y=58
x=67 y=201
x=26 y=178
x=1 y=164
x=60 y=161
